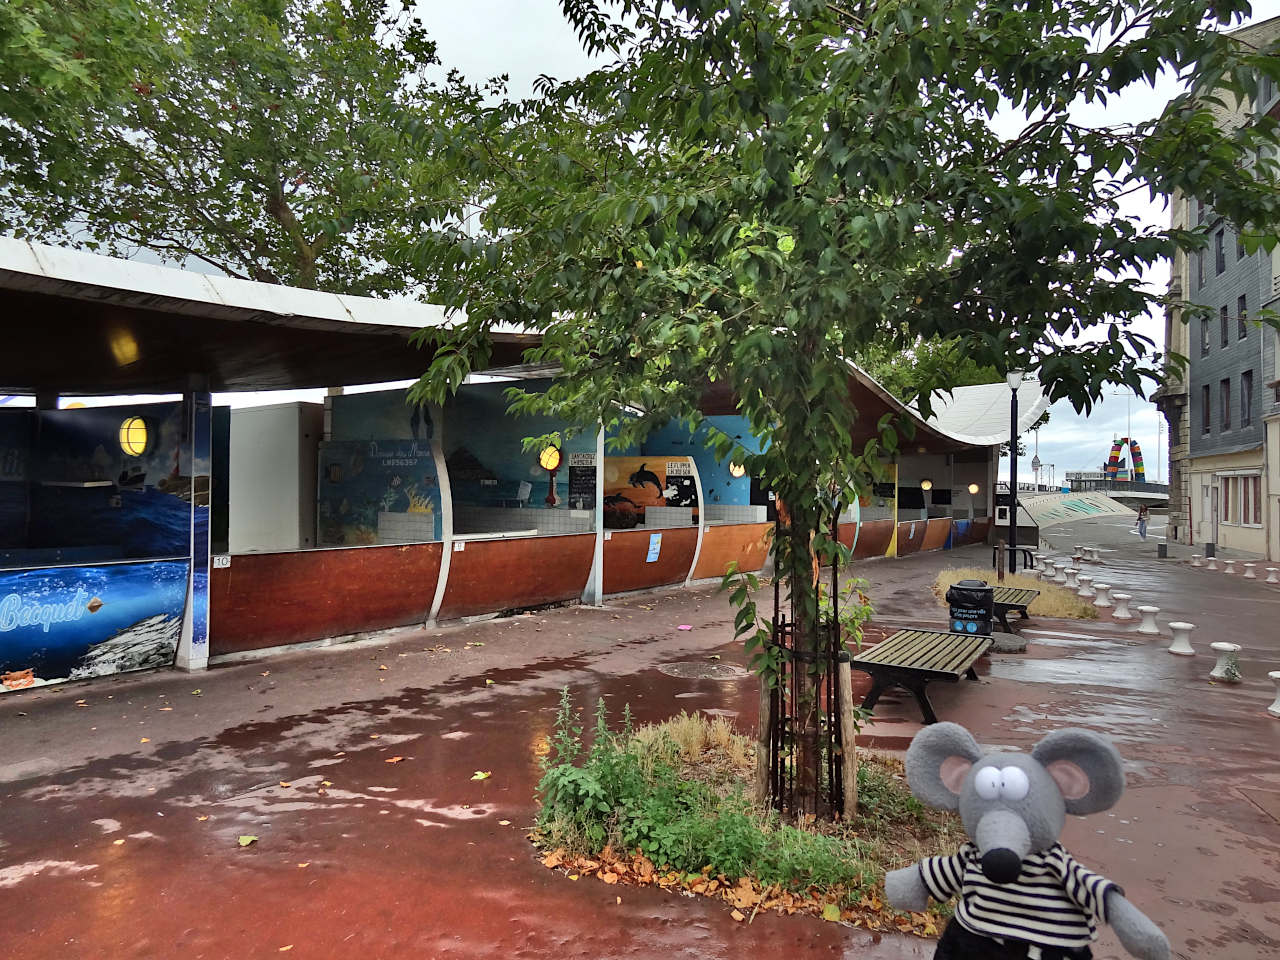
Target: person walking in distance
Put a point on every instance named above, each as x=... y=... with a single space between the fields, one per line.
x=1143 y=514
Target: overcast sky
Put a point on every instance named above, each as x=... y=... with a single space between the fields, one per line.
x=526 y=38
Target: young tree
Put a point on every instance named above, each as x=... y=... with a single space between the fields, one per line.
x=754 y=191
x=261 y=143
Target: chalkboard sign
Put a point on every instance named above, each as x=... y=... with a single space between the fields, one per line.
x=582 y=481
x=885 y=490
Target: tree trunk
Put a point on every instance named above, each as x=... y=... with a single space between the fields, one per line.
x=849 y=742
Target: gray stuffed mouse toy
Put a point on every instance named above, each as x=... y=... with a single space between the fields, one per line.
x=1021 y=894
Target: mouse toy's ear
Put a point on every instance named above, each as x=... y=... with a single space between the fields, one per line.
x=938 y=761
x=1086 y=767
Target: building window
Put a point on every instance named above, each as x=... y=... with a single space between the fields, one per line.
x=1239 y=246
x=1199 y=269
x=1256 y=484
x=1242 y=315
x=1229 y=493
x=1246 y=398
x=1222 y=322
x=1224 y=398
x=1206 y=416
x=1204 y=336
x=1220 y=250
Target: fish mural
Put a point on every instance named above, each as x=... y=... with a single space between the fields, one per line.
x=632 y=484
x=67 y=623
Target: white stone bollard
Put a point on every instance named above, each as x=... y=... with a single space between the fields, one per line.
x=1211 y=563
x=1072 y=582
x=1121 y=612
x=1273 y=575
x=1181 y=638
x=1060 y=571
x=1091 y=553
x=1195 y=560
x=1248 y=571
x=1228 y=566
x=1086 y=588
x=1077 y=558
x=1148 y=624
x=1103 y=598
x=1077 y=548
x=1274 y=709
x=1227 y=669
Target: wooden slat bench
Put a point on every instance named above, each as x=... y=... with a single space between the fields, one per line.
x=911 y=658
x=1008 y=599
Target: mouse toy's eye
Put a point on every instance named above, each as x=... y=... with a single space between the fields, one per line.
x=1014 y=784
x=987 y=783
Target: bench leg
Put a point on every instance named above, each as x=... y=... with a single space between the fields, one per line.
x=878 y=686
x=917 y=689
x=1003 y=616
x=1023 y=612
x=971 y=674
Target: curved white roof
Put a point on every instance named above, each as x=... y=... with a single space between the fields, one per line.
x=980 y=414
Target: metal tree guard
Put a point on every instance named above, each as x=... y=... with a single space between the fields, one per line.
x=785 y=707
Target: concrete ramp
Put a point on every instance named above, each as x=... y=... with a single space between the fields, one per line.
x=1050 y=509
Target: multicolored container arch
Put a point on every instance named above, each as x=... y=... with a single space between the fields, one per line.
x=1112 y=468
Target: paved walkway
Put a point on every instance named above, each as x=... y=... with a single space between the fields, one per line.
x=359 y=857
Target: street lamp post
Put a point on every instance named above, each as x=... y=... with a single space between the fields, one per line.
x=1014 y=379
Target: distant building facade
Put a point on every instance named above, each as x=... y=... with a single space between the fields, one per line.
x=1223 y=408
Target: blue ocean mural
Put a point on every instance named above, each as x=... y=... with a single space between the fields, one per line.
x=66 y=623
x=198 y=526
x=363 y=479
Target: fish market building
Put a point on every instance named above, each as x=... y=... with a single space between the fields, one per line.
x=167 y=528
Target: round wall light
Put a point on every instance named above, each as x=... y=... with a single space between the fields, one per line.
x=926 y=484
x=133 y=436
x=737 y=470
x=549 y=458
x=973 y=488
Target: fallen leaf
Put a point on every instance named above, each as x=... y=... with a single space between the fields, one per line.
x=714 y=656
x=482 y=775
x=504 y=823
x=553 y=859
x=304 y=865
x=573 y=876
x=145 y=740
x=116 y=843
x=619 y=900
x=374 y=736
x=82 y=703
x=394 y=760
x=326 y=783
x=202 y=819
x=488 y=682
x=831 y=912
x=197 y=692
x=246 y=839
x=162 y=709
x=287 y=946
x=738 y=915
x=265 y=673
x=685 y=626
x=608 y=877
x=382 y=666
x=285 y=783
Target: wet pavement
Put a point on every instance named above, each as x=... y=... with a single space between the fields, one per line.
x=358 y=856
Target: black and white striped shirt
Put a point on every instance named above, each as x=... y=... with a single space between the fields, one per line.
x=1054 y=902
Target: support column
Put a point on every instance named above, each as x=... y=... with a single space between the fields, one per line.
x=193 y=646
x=436 y=412
x=593 y=596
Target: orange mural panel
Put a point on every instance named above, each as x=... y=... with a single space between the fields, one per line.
x=627 y=552
x=269 y=599
x=911 y=536
x=935 y=535
x=747 y=543
x=873 y=539
x=489 y=576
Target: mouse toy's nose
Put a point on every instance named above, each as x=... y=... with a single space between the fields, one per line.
x=1001 y=865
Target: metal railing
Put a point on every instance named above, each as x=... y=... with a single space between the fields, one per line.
x=1119 y=486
